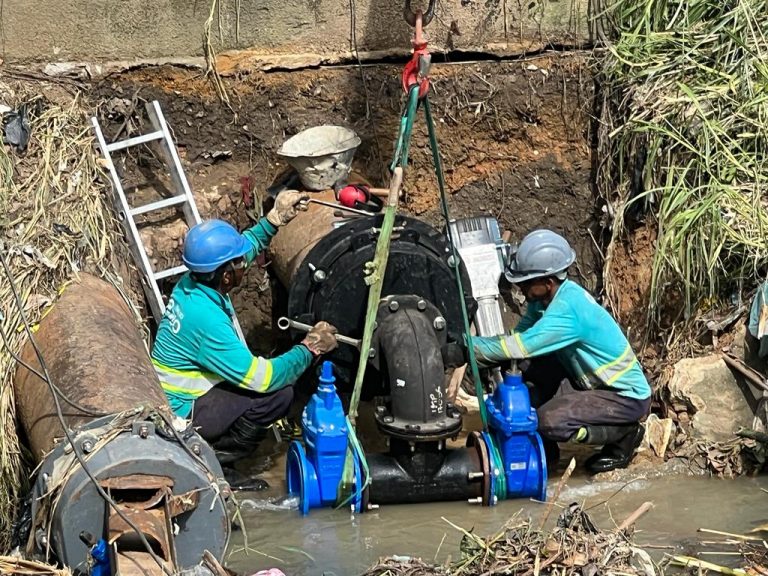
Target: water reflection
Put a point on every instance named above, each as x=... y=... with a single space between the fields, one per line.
x=338 y=542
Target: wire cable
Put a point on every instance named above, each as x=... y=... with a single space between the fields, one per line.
x=75 y=405
x=99 y=489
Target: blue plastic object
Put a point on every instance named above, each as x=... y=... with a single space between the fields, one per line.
x=315 y=469
x=212 y=243
x=513 y=424
x=100 y=555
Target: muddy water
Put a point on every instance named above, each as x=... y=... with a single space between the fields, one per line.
x=337 y=542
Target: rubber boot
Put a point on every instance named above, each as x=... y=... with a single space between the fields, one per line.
x=619 y=444
x=242 y=439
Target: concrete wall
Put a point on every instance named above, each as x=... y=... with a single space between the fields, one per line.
x=117 y=30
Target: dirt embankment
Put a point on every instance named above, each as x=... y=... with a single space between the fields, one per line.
x=513 y=135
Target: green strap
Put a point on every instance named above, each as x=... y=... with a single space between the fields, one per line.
x=464 y=314
x=401 y=157
x=406 y=128
x=374 y=271
x=375 y=279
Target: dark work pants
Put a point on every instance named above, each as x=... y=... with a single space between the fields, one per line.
x=216 y=410
x=563 y=410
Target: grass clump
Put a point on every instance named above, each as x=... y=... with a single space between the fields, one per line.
x=683 y=134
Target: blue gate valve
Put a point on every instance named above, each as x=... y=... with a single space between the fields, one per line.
x=99 y=553
x=314 y=470
x=513 y=423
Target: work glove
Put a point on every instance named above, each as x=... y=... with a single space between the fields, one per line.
x=321 y=339
x=287 y=204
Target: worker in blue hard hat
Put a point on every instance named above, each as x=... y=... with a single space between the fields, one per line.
x=207 y=372
x=595 y=391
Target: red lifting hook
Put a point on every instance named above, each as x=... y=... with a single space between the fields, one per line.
x=417 y=69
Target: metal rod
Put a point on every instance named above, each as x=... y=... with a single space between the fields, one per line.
x=286 y=323
x=339 y=207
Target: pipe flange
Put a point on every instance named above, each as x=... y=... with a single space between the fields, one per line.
x=418 y=431
x=475 y=440
x=541 y=458
x=341 y=298
x=494 y=469
x=297 y=475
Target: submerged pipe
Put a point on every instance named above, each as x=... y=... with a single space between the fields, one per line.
x=428 y=474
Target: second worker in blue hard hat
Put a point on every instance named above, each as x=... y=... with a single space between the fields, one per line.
x=207 y=372
x=588 y=385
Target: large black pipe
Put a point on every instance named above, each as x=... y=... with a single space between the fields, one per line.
x=428 y=474
x=330 y=285
x=413 y=366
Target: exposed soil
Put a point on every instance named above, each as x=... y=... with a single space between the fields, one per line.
x=513 y=136
x=631 y=279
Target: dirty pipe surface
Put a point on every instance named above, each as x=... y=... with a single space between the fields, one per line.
x=95 y=355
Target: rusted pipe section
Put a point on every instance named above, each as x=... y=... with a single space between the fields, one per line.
x=95 y=356
x=167 y=483
x=293 y=242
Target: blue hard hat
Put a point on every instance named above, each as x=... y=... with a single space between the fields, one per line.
x=212 y=243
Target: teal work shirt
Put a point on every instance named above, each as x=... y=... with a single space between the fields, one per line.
x=197 y=346
x=583 y=335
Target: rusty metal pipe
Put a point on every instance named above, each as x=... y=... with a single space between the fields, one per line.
x=95 y=356
x=293 y=242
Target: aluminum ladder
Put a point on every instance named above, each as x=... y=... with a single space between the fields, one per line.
x=183 y=197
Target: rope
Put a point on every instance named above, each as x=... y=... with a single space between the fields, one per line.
x=464 y=314
x=375 y=279
x=374 y=271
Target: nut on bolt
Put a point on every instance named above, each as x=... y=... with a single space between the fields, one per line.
x=394 y=306
x=144 y=431
x=86 y=446
x=319 y=276
x=439 y=323
x=421 y=305
x=196 y=449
